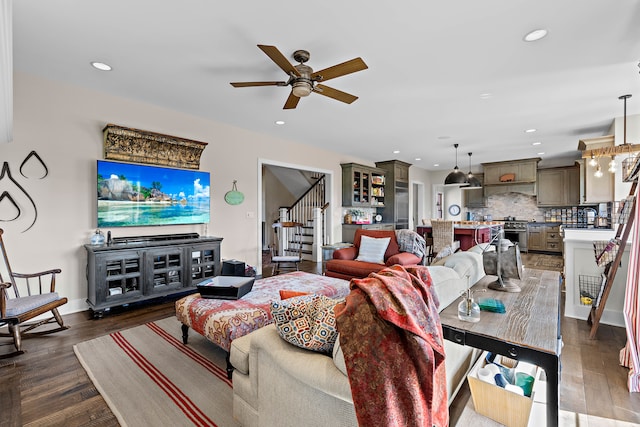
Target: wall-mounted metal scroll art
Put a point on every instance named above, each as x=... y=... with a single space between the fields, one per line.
x=140 y=146
x=12 y=190
x=32 y=157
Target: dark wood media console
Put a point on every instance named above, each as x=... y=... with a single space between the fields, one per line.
x=139 y=268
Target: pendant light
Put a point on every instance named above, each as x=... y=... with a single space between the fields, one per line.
x=456 y=177
x=472 y=180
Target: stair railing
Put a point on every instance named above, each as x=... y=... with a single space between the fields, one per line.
x=309 y=210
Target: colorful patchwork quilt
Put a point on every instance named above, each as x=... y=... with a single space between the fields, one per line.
x=222 y=321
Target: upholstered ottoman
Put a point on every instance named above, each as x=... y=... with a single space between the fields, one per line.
x=221 y=321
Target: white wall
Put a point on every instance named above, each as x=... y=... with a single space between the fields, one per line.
x=633 y=137
x=64 y=123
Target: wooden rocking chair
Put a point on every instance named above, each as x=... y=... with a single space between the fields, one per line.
x=16 y=310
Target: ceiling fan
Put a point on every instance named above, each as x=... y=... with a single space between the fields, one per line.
x=303 y=80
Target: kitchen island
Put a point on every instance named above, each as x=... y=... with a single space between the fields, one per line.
x=468 y=233
x=581 y=270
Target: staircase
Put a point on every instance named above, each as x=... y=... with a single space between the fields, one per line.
x=309 y=210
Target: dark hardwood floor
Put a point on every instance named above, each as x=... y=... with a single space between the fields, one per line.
x=47 y=386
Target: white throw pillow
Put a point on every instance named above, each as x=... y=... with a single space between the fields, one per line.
x=372 y=249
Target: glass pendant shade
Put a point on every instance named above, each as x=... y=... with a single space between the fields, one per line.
x=456 y=177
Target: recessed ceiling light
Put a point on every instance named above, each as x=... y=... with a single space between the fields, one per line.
x=436 y=164
x=279 y=122
x=541 y=153
x=417 y=159
x=536 y=143
x=530 y=130
x=535 y=35
x=486 y=95
x=396 y=151
x=101 y=66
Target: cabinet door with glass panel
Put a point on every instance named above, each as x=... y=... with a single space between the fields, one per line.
x=165 y=266
x=362 y=186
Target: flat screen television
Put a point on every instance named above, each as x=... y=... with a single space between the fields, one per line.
x=138 y=195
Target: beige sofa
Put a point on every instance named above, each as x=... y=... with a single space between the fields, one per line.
x=278 y=384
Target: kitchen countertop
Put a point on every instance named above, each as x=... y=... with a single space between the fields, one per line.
x=472 y=225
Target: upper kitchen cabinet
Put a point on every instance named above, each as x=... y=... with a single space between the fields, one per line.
x=362 y=186
x=559 y=186
x=396 y=205
x=474 y=197
x=517 y=176
x=596 y=189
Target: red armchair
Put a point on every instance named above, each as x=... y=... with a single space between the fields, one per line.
x=344 y=264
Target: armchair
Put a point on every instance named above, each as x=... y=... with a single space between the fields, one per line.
x=345 y=265
x=37 y=298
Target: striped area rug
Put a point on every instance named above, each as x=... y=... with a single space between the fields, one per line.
x=149 y=378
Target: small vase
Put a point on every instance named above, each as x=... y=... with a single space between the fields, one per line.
x=97 y=238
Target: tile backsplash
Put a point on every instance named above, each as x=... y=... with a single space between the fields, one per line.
x=517 y=205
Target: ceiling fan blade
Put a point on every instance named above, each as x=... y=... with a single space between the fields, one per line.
x=356 y=64
x=335 y=94
x=248 y=84
x=292 y=102
x=280 y=60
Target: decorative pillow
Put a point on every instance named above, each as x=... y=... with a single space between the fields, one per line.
x=307 y=321
x=286 y=294
x=444 y=252
x=372 y=249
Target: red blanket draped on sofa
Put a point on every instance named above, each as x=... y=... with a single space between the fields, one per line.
x=391 y=337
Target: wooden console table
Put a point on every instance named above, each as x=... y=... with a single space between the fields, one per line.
x=528 y=331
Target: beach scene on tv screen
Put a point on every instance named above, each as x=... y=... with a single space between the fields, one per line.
x=136 y=195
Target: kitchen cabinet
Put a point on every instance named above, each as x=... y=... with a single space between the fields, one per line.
x=474 y=197
x=362 y=186
x=349 y=230
x=535 y=237
x=559 y=186
x=553 y=241
x=544 y=237
x=396 y=203
x=523 y=180
x=524 y=171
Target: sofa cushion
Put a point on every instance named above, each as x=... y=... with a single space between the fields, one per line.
x=404 y=259
x=307 y=321
x=465 y=263
x=351 y=268
x=338 y=357
x=372 y=249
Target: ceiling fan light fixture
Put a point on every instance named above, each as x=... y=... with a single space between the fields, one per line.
x=301 y=89
x=456 y=177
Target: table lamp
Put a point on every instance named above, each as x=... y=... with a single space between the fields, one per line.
x=506 y=263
